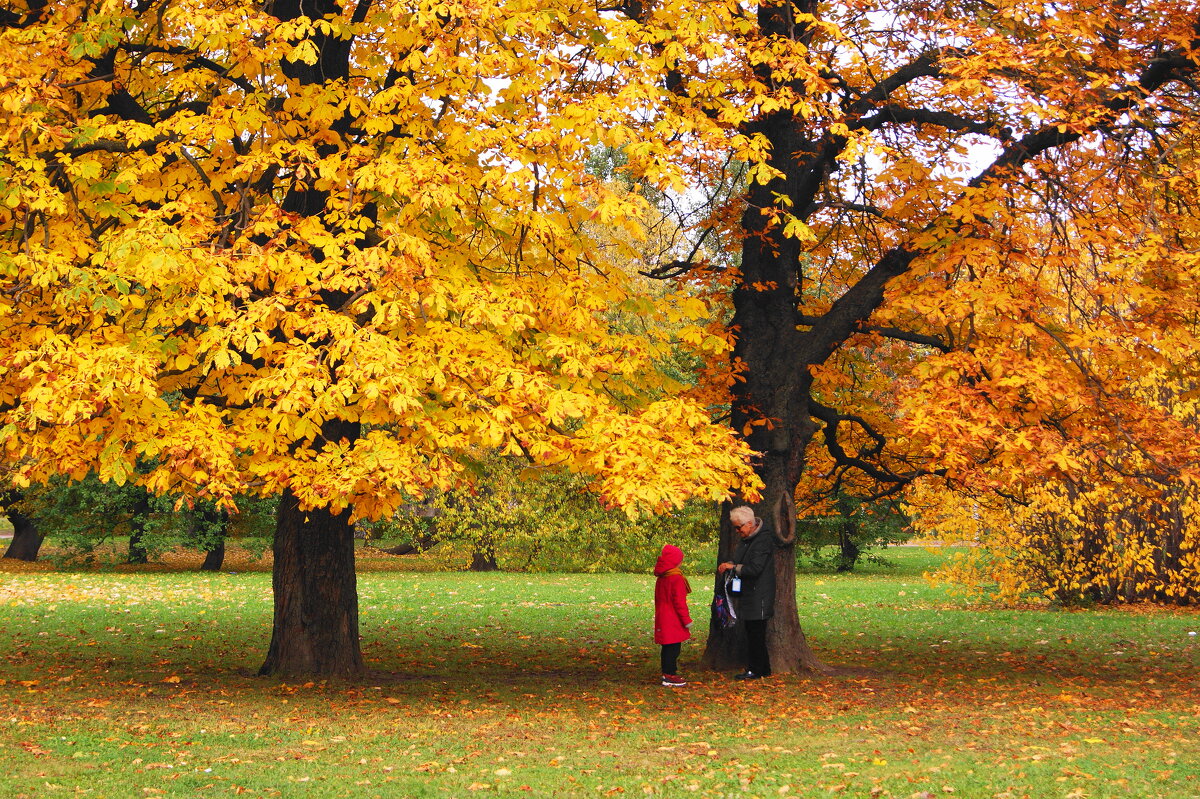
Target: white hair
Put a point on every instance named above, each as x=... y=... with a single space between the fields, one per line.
x=741 y=514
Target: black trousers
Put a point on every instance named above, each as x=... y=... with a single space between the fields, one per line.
x=669 y=657
x=759 y=660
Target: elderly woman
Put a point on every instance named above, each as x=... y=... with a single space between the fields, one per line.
x=754 y=562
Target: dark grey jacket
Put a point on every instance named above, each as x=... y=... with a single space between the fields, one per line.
x=755 y=557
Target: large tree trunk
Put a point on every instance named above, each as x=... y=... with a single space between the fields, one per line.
x=315 y=632
x=771 y=403
x=726 y=648
x=27 y=541
x=771 y=408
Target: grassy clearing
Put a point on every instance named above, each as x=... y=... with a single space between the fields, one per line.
x=121 y=685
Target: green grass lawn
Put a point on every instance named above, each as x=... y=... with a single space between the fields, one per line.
x=142 y=684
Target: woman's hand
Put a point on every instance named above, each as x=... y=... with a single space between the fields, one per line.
x=724 y=567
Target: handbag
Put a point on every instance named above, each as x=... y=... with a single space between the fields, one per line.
x=722 y=605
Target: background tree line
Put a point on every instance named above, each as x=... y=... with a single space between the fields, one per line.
x=510 y=518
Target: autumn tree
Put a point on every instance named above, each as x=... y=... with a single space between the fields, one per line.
x=321 y=249
x=504 y=514
x=1118 y=528
x=928 y=183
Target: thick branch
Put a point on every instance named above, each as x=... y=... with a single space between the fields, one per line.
x=833 y=420
x=194 y=60
x=887 y=332
x=860 y=300
x=899 y=115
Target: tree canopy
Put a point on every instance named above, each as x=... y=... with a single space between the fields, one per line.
x=325 y=249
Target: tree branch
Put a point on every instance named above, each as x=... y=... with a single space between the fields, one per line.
x=833 y=420
x=887 y=332
x=894 y=114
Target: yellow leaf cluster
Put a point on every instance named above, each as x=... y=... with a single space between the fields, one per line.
x=214 y=263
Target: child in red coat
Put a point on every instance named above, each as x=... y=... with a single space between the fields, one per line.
x=671 y=618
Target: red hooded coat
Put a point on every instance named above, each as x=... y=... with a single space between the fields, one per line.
x=671 y=615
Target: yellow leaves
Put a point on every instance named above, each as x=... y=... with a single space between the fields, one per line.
x=563 y=406
x=456 y=280
x=795 y=228
x=304 y=51
x=661 y=457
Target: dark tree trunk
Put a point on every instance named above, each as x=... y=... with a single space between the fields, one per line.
x=417 y=545
x=484 y=562
x=315 y=631
x=214 y=559
x=216 y=526
x=726 y=648
x=483 y=559
x=137 y=531
x=847 y=533
x=26 y=541
x=770 y=405
x=849 y=551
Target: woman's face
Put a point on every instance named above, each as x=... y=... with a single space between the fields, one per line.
x=745 y=528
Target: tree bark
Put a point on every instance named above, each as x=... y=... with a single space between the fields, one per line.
x=137 y=531
x=770 y=403
x=218 y=520
x=26 y=541
x=315 y=630
x=214 y=558
x=726 y=648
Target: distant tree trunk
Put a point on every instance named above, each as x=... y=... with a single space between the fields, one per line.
x=214 y=558
x=1168 y=557
x=26 y=541
x=420 y=541
x=216 y=525
x=315 y=630
x=483 y=559
x=137 y=531
x=847 y=533
x=416 y=545
x=848 y=549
